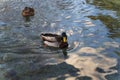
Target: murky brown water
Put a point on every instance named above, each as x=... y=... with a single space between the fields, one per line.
x=92 y=50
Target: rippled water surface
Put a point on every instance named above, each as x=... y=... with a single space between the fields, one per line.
x=93 y=36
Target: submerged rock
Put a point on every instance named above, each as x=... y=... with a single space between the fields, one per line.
x=11 y=74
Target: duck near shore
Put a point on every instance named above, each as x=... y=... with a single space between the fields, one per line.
x=54 y=40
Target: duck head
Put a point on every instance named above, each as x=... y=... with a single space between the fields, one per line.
x=64 y=43
x=27 y=12
x=64 y=37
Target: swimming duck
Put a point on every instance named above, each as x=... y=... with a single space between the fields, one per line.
x=27 y=12
x=54 y=40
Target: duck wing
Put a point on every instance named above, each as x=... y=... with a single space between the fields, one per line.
x=51 y=37
x=49 y=34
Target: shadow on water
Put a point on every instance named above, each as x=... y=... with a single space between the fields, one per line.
x=107 y=4
x=111 y=23
x=61 y=71
x=114 y=76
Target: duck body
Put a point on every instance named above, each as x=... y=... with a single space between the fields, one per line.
x=54 y=40
x=27 y=12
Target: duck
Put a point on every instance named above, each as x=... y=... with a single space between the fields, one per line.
x=55 y=40
x=28 y=11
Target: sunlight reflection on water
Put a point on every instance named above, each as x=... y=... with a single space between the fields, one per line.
x=88 y=60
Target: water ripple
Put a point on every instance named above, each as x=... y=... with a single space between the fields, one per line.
x=91 y=52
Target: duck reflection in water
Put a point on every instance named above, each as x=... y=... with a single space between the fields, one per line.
x=54 y=40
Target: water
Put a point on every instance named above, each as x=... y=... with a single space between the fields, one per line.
x=93 y=45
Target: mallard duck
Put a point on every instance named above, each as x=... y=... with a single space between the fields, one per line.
x=54 y=40
x=27 y=12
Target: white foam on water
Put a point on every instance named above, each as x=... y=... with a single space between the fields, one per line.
x=53 y=25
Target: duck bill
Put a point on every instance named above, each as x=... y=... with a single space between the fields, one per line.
x=64 y=39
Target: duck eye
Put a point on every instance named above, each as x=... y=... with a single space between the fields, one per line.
x=64 y=39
